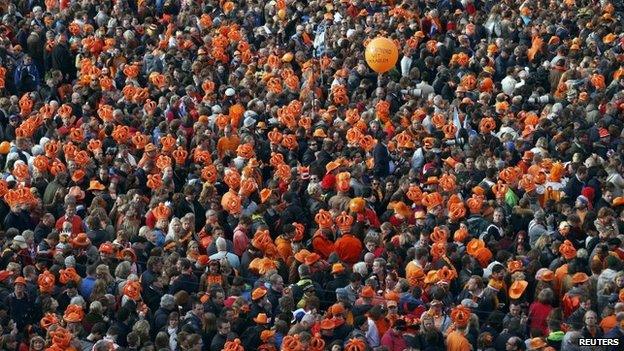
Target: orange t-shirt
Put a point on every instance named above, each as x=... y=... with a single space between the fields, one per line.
x=322 y=245
x=456 y=341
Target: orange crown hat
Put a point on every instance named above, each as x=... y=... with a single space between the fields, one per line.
x=292 y=342
x=446 y=274
x=475 y=204
x=460 y=235
x=46 y=282
x=438 y=250
x=432 y=200
x=301 y=255
x=161 y=211
x=515 y=266
x=448 y=182
x=132 y=289
x=48 y=320
x=234 y=345
x=316 y=343
x=438 y=235
x=61 y=338
x=344 y=222
x=460 y=315
x=324 y=219
x=355 y=344
x=500 y=189
x=73 y=314
x=517 y=289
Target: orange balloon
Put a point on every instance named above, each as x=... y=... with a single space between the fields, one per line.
x=281 y=14
x=381 y=54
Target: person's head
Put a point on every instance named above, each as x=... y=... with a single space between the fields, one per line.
x=591 y=319
x=514 y=344
x=545 y=296
x=223 y=326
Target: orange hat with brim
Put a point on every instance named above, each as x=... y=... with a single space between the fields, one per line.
x=517 y=289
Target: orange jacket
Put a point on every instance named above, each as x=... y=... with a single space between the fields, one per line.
x=322 y=245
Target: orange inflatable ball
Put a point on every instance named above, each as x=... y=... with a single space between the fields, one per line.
x=5 y=146
x=381 y=54
x=281 y=14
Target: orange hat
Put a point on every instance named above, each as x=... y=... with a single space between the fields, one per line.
x=432 y=200
x=545 y=275
x=233 y=345
x=46 y=282
x=483 y=256
x=266 y=335
x=19 y=280
x=460 y=235
x=69 y=274
x=460 y=315
x=312 y=258
x=48 y=320
x=344 y=222
x=337 y=268
x=81 y=241
x=475 y=203
x=579 y=278
x=258 y=293
x=332 y=165
x=355 y=344
x=536 y=344
x=474 y=245
x=261 y=318
x=514 y=266
x=161 y=211
x=301 y=255
x=73 y=314
x=357 y=205
x=327 y=324
x=438 y=235
x=618 y=201
x=517 y=289
x=337 y=309
x=367 y=292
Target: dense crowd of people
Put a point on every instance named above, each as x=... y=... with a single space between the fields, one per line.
x=232 y=175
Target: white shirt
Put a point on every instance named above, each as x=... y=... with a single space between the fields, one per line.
x=509 y=85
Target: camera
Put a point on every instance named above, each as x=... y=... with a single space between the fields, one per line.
x=412 y=92
x=455 y=141
x=544 y=99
